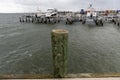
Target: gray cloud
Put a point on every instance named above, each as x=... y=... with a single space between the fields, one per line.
x=32 y=5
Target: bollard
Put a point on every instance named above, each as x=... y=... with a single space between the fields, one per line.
x=59 y=48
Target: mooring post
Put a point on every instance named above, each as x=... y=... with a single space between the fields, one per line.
x=20 y=19
x=59 y=48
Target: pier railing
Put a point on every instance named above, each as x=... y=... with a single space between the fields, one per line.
x=59 y=39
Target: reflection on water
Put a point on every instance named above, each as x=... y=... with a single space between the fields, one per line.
x=25 y=48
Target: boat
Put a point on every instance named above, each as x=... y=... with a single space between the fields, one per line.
x=92 y=16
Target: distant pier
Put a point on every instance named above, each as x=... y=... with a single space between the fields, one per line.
x=43 y=19
x=53 y=16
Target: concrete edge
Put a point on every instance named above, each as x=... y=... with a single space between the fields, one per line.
x=50 y=76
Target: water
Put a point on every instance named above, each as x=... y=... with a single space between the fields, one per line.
x=25 y=48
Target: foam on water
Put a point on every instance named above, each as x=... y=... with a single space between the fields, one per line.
x=13 y=34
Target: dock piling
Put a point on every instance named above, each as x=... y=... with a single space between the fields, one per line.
x=59 y=48
x=20 y=19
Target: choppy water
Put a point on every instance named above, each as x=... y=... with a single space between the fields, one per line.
x=25 y=48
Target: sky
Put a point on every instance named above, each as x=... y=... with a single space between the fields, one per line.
x=18 y=6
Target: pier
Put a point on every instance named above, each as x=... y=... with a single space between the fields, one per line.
x=45 y=20
x=53 y=16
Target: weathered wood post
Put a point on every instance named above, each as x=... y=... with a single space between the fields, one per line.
x=20 y=19
x=32 y=19
x=26 y=18
x=59 y=48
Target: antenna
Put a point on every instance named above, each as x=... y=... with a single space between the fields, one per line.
x=90 y=6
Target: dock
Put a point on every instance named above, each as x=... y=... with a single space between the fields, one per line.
x=53 y=16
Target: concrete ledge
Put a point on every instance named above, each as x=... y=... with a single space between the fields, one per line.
x=70 y=76
x=26 y=76
x=71 y=79
x=93 y=75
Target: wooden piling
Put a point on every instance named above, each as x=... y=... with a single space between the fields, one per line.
x=29 y=19
x=32 y=19
x=20 y=19
x=25 y=19
x=59 y=48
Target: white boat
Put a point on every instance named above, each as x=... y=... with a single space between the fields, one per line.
x=92 y=17
x=51 y=12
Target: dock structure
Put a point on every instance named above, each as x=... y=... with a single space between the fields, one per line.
x=45 y=20
x=37 y=19
x=116 y=20
x=53 y=16
x=26 y=19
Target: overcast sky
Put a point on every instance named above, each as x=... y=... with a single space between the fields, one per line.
x=13 y=6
